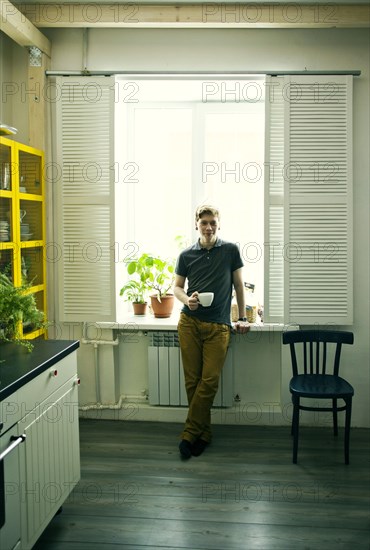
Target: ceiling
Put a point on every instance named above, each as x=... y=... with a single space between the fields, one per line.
x=171 y=2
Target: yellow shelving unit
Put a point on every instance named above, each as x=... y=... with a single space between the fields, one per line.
x=22 y=221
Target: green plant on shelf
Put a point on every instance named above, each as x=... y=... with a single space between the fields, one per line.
x=148 y=273
x=17 y=306
x=153 y=274
x=134 y=291
x=162 y=275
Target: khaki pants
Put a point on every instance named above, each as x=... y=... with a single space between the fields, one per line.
x=203 y=351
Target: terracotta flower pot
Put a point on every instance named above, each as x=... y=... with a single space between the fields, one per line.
x=163 y=308
x=139 y=309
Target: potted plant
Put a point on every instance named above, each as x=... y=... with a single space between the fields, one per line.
x=161 y=279
x=134 y=291
x=158 y=276
x=17 y=305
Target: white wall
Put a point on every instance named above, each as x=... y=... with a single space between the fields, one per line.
x=242 y=50
x=13 y=81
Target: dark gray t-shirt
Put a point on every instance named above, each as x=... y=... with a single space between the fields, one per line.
x=210 y=271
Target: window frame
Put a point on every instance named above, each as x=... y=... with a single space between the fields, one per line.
x=272 y=199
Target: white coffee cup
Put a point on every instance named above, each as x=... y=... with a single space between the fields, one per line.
x=205 y=298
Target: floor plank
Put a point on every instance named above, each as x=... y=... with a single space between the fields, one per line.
x=243 y=493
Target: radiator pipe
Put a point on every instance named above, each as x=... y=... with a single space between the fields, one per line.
x=97 y=377
x=100 y=406
x=129 y=399
x=100 y=342
x=96 y=344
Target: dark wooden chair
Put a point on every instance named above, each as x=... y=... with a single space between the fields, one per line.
x=314 y=379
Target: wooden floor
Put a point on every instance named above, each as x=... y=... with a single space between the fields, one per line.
x=243 y=493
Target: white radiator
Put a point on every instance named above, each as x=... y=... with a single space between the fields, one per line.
x=166 y=377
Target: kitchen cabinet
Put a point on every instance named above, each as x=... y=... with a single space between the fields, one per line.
x=10 y=494
x=45 y=410
x=22 y=222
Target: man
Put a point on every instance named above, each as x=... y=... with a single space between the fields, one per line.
x=210 y=265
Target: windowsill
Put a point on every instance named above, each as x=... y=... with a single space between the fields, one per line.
x=131 y=322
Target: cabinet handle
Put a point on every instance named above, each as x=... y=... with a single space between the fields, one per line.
x=17 y=439
x=53 y=373
x=78 y=381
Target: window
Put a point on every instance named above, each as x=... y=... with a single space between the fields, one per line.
x=185 y=143
x=197 y=149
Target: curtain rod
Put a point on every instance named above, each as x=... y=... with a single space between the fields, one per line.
x=354 y=72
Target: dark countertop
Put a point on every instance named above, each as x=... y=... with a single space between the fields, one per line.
x=18 y=366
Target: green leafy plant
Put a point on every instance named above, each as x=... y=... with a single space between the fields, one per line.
x=153 y=273
x=162 y=275
x=17 y=305
x=134 y=291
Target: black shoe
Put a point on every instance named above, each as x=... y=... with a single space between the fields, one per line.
x=198 y=447
x=185 y=448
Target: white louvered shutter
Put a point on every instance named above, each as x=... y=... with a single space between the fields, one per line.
x=318 y=200
x=274 y=201
x=85 y=199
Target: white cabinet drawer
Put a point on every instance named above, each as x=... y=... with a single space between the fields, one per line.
x=45 y=384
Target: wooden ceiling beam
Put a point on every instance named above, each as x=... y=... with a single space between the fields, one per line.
x=205 y=15
x=15 y=25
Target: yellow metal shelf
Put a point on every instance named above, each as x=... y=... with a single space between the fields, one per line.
x=34 y=334
x=25 y=171
x=32 y=244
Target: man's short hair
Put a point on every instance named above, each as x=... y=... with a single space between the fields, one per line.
x=208 y=210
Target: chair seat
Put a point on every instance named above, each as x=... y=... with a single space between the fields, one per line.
x=321 y=386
